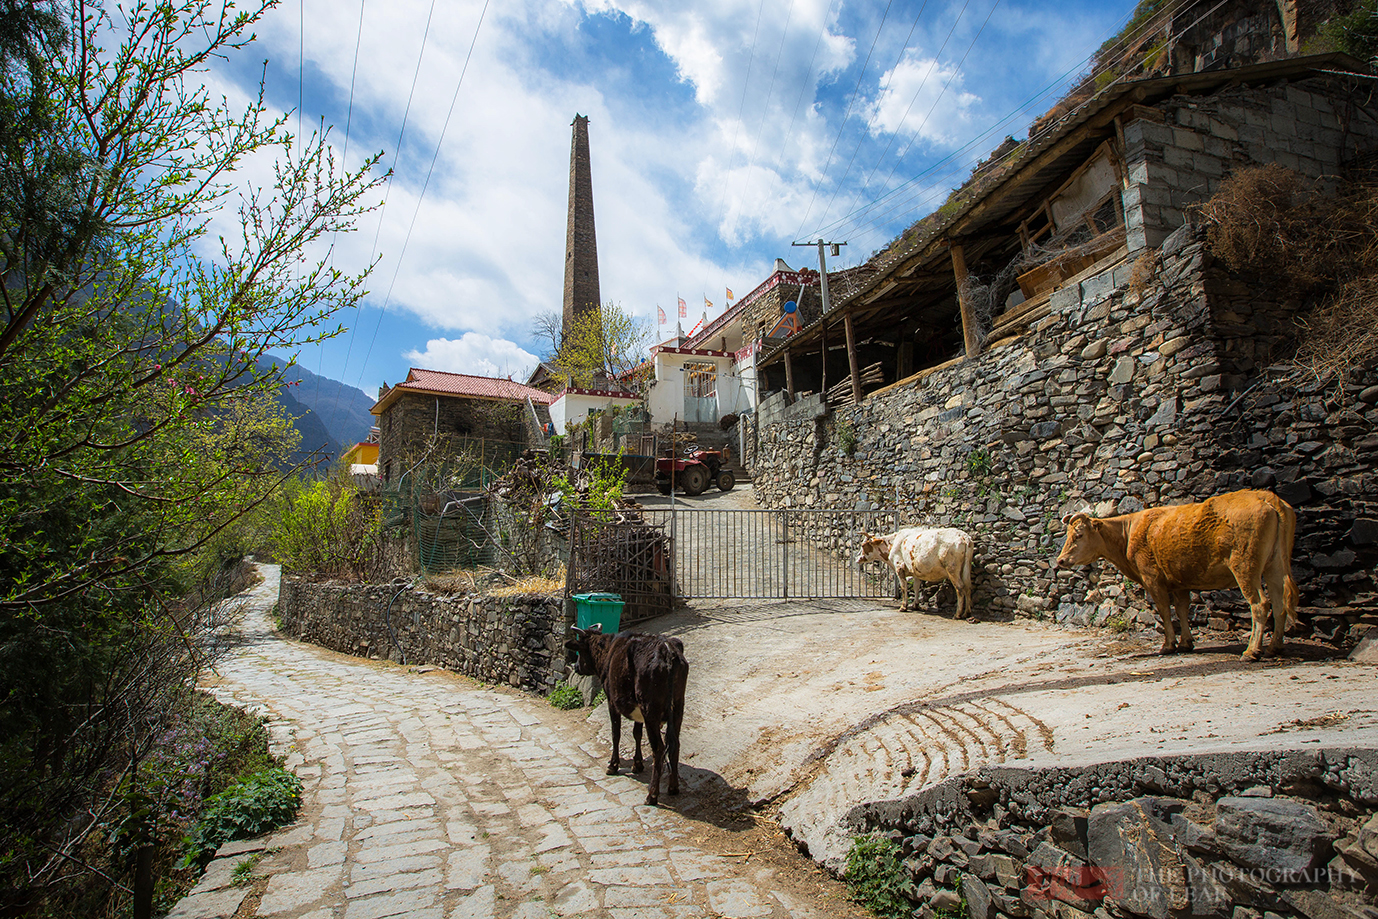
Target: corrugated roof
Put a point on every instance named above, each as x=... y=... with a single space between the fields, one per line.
x=443 y=383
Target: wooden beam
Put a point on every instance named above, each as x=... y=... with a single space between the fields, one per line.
x=970 y=334
x=851 y=358
x=789 y=375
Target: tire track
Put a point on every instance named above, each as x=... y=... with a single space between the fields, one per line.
x=908 y=749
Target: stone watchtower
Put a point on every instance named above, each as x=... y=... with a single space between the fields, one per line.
x=581 y=244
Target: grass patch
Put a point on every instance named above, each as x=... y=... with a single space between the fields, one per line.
x=565 y=697
x=264 y=801
x=876 y=878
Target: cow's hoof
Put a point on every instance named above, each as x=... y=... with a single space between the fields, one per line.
x=651 y=800
x=1187 y=647
x=612 y=770
x=673 y=789
x=638 y=767
x=1168 y=649
x=1250 y=656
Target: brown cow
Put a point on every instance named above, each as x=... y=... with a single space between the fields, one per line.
x=1242 y=538
x=644 y=677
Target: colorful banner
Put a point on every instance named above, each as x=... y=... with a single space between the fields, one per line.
x=729 y=294
x=661 y=313
x=683 y=308
x=707 y=304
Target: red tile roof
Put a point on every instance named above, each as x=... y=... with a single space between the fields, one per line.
x=439 y=382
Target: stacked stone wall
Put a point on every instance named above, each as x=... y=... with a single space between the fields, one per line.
x=1154 y=837
x=409 y=424
x=518 y=641
x=1150 y=383
x=1180 y=152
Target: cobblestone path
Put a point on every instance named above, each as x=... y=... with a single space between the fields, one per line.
x=434 y=797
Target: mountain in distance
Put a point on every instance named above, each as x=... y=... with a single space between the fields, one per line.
x=331 y=416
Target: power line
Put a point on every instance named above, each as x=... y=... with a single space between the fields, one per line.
x=382 y=211
x=850 y=102
x=912 y=203
x=1111 y=65
x=765 y=111
x=789 y=131
x=344 y=161
x=741 y=110
x=881 y=95
x=425 y=185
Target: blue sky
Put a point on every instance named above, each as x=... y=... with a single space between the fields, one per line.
x=721 y=131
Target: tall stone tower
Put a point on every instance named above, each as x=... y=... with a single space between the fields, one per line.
x=581 y=244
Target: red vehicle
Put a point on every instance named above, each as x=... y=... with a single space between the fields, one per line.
x=694 y=472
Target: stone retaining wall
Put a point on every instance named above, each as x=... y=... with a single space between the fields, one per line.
x=1219 y=835
x=1152 y=382
x=518 y=640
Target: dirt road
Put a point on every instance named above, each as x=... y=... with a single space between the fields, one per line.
x=817 y=706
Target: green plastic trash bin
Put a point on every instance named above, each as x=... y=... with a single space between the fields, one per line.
x=604 y=609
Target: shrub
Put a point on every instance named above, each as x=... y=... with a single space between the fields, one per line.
x=264 y=801
x=565 y=697
x=876 y=878
x=326 y=528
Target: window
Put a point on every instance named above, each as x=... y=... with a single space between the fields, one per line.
x=700 y=379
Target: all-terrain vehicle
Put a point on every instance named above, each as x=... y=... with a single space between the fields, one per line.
x=694 y=471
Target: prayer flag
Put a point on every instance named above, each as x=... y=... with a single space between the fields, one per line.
x=661 y=314
x=683 y=308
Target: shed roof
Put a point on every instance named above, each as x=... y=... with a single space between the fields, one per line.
x=984 y=216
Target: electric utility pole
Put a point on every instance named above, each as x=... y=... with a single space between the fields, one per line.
x=847 y=320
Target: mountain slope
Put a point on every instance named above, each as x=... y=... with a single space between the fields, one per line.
x=337 y=412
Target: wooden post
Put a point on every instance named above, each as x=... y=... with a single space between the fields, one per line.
x=851 y=358
x=823 y=353
x=789 y=376
x=970 y=334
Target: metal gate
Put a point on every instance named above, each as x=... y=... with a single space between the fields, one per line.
x=774 y=554
x=622 y=553
x=700 y=391
x=654 y=555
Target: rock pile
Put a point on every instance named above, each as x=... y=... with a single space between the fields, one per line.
x=1072 y=844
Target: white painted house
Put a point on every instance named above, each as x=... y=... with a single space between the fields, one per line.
x=572 y=406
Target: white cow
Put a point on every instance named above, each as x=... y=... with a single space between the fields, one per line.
x=929 y=554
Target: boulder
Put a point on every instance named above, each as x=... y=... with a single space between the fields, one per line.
x=1053 y=874
x=1283 y=841
x=1358 y=860
x=1068 y=829
x=1137 y=860
x=977 y=894
x=1209 y=898
x=1368 y=836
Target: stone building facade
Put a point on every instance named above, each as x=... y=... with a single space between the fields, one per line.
x=457 y=412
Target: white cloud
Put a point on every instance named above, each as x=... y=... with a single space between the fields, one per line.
x=925 y=98
x=691 y=195
x=475 y=354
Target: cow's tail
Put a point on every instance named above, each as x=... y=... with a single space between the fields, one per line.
x=1282 y=555
x=968 y=555
x=1292 y=597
